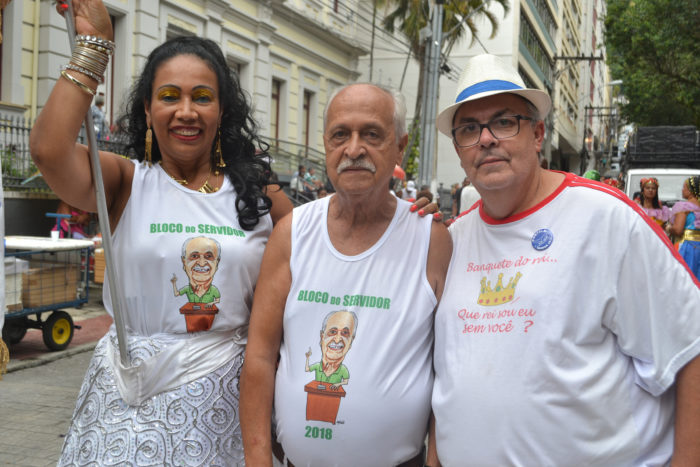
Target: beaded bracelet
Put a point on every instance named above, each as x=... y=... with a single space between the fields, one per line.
x=96 y=41
x=84 y=71
x=78 y=83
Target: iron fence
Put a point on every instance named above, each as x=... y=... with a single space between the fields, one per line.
x=20 y=174
x=18 y=170
x=288 y=156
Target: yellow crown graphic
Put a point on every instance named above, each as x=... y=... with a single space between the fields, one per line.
x=500 y=294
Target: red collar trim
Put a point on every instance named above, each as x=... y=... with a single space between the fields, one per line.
x=568 y=178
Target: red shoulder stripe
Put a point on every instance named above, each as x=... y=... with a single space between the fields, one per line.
x=580 y=181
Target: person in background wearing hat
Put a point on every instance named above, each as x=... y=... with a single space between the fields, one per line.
x=409 y=193
x=546 y=352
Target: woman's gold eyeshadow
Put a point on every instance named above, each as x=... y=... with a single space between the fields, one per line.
x=202 y=93
x=168 y=92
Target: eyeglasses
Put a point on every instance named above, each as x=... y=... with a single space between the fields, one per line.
x=502 y=127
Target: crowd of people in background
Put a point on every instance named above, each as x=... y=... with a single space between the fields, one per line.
x=305 y=181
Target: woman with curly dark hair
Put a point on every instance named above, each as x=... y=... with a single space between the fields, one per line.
x=190 y=217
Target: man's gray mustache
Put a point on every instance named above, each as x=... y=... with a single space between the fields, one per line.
x=356 y=164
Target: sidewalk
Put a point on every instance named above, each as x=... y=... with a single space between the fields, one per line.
x=91 y=317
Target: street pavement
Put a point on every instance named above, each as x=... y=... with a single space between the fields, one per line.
x=38 y=394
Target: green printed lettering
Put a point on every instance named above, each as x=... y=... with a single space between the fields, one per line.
x=216 y=229
x=166 y=228
x=318 y=433
x=368 y=301
x=312 y=296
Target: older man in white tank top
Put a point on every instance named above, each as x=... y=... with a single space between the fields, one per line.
x=346 y=297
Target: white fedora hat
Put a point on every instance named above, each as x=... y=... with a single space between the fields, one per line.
x=486 y=75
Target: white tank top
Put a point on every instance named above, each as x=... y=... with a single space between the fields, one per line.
x=159 y=218
x=380 y=416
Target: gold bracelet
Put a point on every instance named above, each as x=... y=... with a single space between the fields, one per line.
x=79 y=83
x=99 y=71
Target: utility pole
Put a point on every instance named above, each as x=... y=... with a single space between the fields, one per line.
x=550 y=121
x=433 y=51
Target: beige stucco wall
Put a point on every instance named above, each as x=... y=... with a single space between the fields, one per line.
x=265 y=39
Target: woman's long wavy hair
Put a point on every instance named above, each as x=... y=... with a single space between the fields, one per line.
x=245 y=154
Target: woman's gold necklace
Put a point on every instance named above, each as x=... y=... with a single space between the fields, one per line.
x=205 y=188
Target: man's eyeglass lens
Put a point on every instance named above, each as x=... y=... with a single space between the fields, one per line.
x=500 y=128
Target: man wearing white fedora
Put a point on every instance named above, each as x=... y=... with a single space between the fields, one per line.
x=568 y=332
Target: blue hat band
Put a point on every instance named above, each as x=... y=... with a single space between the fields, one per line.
x=486 y=86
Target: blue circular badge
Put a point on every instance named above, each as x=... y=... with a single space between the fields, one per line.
x=542 y=239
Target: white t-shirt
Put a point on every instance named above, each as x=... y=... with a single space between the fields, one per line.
x=379 y=417
x=468 y=197
x=558 y=334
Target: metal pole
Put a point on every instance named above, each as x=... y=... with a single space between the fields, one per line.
x=584 y=149
x=434 y=92
x=430 y=93
x=115 y=290
x=424 y=128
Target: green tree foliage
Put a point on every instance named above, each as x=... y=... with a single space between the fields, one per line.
x=412 y=151
x=653 y=46
x=410 y=16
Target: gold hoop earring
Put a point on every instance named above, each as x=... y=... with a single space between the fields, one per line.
x=149 y=143
x=221 y=162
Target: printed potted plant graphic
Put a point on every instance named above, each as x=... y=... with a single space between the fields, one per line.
x=199 y=316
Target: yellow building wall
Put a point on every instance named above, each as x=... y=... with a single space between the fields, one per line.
x=28 y=49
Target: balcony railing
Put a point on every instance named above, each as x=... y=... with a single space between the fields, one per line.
x=18 y=170
x=20 y=174
x=288 y=156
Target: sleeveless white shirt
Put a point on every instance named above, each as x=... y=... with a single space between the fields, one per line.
x=149 y=246
x=160 y=216
x=381 y=415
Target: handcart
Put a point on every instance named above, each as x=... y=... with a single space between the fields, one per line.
x=44 y=274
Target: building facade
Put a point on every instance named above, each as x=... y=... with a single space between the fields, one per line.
x=551 y=43
x=289 y=54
